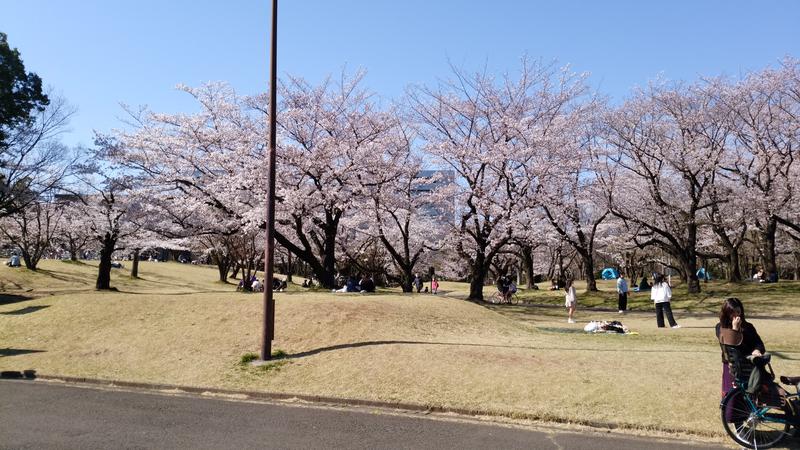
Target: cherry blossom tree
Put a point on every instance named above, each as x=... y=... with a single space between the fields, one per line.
x=32 y=230
x=331 y=135
x=74 y=233
x=407 y=210
x=668 y=141
x=488 y=132
x=569 y=192
x=764 y=158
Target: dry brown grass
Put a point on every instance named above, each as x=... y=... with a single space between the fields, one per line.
x=179 y=326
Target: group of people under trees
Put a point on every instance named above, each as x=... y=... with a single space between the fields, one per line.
x=255 y=285
x=353 y=284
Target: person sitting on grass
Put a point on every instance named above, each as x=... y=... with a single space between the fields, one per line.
x=644 y=285
x=278 y=285
x=367 y=284
x=13 y=261
x=352 y=284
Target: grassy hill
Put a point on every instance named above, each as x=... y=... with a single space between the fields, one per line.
x=178 y=325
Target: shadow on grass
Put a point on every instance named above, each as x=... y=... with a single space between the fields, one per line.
x=173 y=293
x=562 y=330
x=10 y=299
x=784 y=355
x=26 y=310
x=455 y=344
x=61 y=277
x=17 y=351
x=14 y=374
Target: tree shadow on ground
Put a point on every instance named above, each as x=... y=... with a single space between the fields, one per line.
x=456 y=344
x=172 y=293
x=64 y=277
x=392 y=342
x=17 y=351
x=9 y=299
x=26 y=310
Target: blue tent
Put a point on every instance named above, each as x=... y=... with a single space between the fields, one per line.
x=703 y=274
x=609 y=273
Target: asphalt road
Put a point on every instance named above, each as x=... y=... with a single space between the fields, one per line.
x=41 y=415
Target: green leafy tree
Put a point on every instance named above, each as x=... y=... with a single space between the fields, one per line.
x=20 y=92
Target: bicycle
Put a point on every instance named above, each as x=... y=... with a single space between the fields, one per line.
x=762 y=416
x=499 y=298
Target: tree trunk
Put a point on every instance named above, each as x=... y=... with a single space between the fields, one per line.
x=104 y=272
x=767 y=244
x=527 y=264
x=223 y=264
x=289 y=268
x=588 y=271
x=135 y=268
x=734 y=273
x=407 y=280
x=30 y=262
x=796 y=266
x=690 y=269
x=479 y=270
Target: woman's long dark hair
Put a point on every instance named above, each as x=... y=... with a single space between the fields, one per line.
x=728 y=310
x=658 y=279
x=568 y=284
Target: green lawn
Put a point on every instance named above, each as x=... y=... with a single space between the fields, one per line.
x=178 y=325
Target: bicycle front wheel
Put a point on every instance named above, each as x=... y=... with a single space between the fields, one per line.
x=749 y=425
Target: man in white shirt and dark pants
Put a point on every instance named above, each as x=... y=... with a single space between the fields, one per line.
x=622 y=291
x=661 y=294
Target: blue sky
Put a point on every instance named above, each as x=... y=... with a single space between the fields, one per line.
x=100 y=53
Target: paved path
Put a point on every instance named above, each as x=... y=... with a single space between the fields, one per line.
x=41 y=415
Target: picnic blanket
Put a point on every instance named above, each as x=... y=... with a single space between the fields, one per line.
x=605 y=326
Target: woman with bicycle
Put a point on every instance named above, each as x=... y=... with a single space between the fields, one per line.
x=733 y=329
x=756 y=412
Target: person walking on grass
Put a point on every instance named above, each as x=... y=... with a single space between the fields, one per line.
x=417 y=283
x=661 y=294
x=571 y=300
x=622 y=291
x=434 y=285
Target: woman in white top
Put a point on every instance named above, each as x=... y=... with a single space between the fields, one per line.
x=571 y=300
x=661 y=294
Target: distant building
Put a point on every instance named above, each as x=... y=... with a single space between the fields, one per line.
x=440 y=179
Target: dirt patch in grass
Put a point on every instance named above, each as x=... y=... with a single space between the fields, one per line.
x=177 y=325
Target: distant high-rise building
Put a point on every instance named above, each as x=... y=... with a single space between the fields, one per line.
x=442 y=208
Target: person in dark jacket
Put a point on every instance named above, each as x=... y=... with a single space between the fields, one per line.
x=733 y=329
x=367 y=284
x=644 y=285
x=352 y=285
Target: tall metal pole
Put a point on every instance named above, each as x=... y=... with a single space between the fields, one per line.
x=268 y=328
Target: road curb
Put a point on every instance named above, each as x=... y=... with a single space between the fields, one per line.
x=30 y=375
